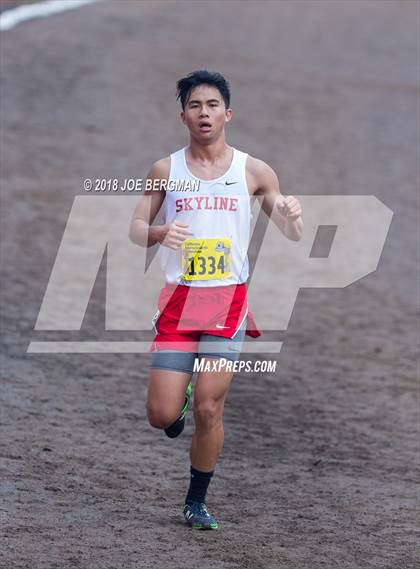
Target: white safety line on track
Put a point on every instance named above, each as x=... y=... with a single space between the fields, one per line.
x=11 y=18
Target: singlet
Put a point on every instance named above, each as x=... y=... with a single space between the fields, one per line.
x=218 y=214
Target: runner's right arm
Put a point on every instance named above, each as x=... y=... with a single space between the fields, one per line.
x=142 y=232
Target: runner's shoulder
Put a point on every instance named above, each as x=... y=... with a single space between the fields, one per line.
x=160 y=169
x=257 y=167
x=260 y=172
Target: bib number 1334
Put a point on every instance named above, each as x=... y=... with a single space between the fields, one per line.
x=206 y=259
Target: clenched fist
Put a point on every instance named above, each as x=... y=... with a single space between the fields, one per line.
x=175 y=233
x=289 y=207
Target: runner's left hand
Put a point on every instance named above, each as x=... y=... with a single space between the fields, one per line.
x=289 y=207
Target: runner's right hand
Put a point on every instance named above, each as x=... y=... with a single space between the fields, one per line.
x=176 y=233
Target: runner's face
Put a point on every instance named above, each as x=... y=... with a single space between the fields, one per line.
x=205 y=113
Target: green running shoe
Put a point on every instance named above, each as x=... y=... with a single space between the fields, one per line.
x=177 y=427
x=197 y=516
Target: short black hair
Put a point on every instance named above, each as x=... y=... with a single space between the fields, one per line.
x=202 y=77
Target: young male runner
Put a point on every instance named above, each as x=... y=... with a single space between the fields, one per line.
x=203 y=310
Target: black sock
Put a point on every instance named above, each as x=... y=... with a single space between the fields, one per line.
x=198 y=485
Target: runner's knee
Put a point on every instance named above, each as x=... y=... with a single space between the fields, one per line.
x=161 y=417
x=208 y=413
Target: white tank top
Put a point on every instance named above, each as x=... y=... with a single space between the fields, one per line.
x=218 y=209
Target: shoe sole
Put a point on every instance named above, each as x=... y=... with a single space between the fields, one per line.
x=186 y=405
x=211 y=526
x=182 y=415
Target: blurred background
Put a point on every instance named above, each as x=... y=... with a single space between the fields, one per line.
x=320 y=461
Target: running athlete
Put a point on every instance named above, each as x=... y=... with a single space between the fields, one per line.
x=202 y=309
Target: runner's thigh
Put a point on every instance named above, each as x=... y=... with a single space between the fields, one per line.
x=211 y=387
x=166 y=393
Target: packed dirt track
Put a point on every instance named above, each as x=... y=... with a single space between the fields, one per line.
x=320 y=463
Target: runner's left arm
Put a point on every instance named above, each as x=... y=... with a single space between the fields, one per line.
x=285 y=211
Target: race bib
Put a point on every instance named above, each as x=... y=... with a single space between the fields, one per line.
x=206 y=259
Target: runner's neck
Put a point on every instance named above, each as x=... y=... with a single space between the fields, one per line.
x=216 y=153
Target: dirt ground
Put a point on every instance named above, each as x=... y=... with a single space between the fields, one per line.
x=320 y=463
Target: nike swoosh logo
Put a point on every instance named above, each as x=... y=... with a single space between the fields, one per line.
x=218 y=326
x=230 y=183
